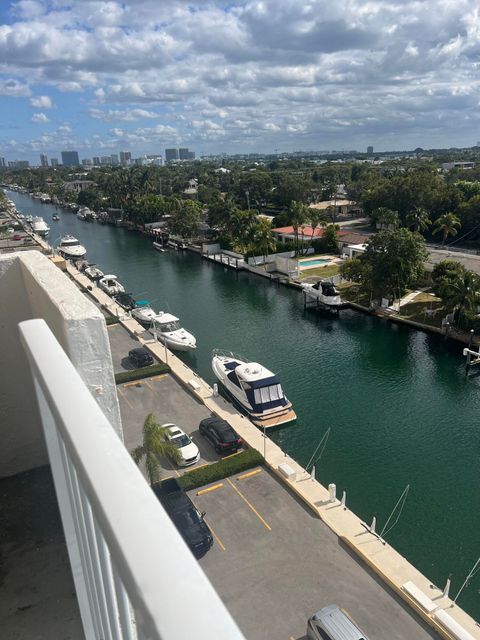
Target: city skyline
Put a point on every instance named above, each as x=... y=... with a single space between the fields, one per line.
x=99 y=76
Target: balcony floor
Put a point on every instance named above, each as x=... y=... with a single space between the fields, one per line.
x=37 y=594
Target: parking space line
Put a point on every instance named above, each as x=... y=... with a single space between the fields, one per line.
x=220 y=543
x=231 y=455
x=249 y=505
x=135 y=383
x=125 y=398
x=249 y=474
x=160 y=376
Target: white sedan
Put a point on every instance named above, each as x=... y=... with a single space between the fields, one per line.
x=188 y=450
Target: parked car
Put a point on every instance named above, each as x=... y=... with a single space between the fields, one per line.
x=188 y=450
x=140 y=357
x=220 y=434
x=17 y=236
x=184 y=515
x=333 y=623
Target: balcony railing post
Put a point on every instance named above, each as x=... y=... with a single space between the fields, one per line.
x=66 y=512
x=109 y=589
x=124 y=608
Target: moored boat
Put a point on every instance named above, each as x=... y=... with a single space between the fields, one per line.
x=93 y=272
x=40 y=227
x=325 y=292
x=167 y=329
x=111 y=285
x=71 y=248
x=254 y=387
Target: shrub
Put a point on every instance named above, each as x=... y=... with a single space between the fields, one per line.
x=111 y=320
x=138 y=374
x=221 y=469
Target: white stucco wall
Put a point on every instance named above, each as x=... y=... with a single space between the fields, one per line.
x=32 y=287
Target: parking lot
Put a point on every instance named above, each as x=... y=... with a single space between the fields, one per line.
x=121 y=342
x=274 y=564
x=169 y=402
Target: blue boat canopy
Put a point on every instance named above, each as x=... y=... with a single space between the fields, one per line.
x=142 y=303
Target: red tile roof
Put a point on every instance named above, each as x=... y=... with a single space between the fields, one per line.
x=350 y=237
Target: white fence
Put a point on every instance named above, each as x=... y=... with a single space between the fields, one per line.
x=134 y=576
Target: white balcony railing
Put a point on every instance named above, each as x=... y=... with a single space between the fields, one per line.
x=134 y=576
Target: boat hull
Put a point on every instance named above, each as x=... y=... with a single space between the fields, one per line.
x=176 y=346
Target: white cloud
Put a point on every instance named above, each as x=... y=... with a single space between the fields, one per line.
x=13 y=88
x=125 y=114
x=42 y=102
x=40 y=118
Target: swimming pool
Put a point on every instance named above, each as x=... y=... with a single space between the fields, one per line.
x=315 y=262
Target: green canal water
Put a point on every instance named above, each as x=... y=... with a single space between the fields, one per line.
x=397 y=401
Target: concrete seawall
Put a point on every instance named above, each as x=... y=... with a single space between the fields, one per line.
x=446 y=618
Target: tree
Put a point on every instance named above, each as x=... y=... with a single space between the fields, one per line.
x=386 y=218
x=418 y=220
x=458 y=287
x=263 y=237
x=447 y=226
x=395 y=260
x=240 y=227
x=154 y=444
x=298 y=216
x=316 y=218
x=184 y=222
x=330 y=238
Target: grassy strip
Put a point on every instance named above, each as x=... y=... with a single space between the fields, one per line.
x=138 y=374
x=323 y=272
x=221 y=469
x=111 y=320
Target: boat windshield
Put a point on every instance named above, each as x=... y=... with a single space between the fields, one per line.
x=70 y=243
x=268 y=394
x=167 y=327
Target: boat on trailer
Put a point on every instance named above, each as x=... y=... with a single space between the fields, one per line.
x=254 y=387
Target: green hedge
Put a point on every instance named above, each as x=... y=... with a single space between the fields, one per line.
x=221 y=469
x=138 y=374
x=111 y=320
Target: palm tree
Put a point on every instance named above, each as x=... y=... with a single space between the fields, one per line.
x=298 y=216
x=155 y=444
x=263 y=237
x=316 y=218
x=387 y=217
x=418 y=219
x=461 y=293
x=448 y=225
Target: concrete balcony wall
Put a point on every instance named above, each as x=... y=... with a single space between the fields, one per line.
x=32 y=287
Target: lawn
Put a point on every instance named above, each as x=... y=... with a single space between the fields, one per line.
x=425 y=308
x=327 y=271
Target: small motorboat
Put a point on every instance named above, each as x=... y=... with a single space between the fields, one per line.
x=254 y=388
x=167 y=329
x=71 y=248
x=324 y=291
x=158 y=247
x=110 y=285
x=143 y=313
x=40 y=227
x=55 y=218
x=93 y=272
x=126 y=301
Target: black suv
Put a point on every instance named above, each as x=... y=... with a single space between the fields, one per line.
x=184 y=515
x=140 y=357
x=220 y=434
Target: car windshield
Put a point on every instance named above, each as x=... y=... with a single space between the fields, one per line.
x=169 y=326
x=181 y=441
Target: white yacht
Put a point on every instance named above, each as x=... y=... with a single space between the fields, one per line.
x=40 y=227
x=83 y=213
x=93 y=272
x=255 y=388
x=168 y=330
x=323 y=291
x=144 y=313
x=70 y=247
x=111 y=285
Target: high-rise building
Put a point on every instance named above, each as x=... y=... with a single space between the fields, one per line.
x=114 y=158
x=2 y=162
x=171 y=155
x=96 y=160
x=185 y=154
x=54 y=162
x=370 y=150
x=70 y=159
x=125 y=157
x=43 y=160
x=105 y=159
x=87 y=162
x=19 y=164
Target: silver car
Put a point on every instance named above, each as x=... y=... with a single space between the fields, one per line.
x=333 y=623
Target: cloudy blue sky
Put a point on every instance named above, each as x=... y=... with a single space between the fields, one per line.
x=141 y=75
